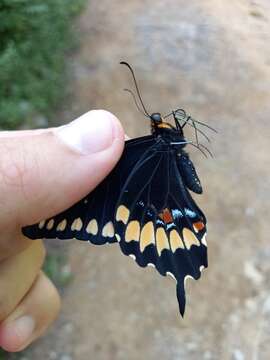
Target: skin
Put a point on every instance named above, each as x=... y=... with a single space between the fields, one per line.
x=43 y=172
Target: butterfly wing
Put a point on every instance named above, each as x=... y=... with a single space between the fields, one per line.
x=91 y=219
x=143 y=204
x=158 y=223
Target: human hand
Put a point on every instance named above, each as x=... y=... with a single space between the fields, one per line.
x=43 y=172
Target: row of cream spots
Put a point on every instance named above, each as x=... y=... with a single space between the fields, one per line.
x=144 y=236
x=147 y=234
x=77 y=225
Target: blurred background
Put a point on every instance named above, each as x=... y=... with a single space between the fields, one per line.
x=58 y=60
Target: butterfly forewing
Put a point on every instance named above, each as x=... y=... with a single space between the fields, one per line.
x=91 y=219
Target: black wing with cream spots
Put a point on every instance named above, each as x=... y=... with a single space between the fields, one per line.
x=91 y=219
x=157 y=222
x=145 y=205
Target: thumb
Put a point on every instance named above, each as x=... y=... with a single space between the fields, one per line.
x=44 y=172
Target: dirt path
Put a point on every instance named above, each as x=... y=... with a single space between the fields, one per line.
x=213 y=59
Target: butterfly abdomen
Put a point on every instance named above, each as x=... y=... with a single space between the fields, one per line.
x=188 y=173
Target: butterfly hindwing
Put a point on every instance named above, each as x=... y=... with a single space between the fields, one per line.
x=158 y=223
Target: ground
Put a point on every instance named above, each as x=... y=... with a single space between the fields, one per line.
x=212 y=58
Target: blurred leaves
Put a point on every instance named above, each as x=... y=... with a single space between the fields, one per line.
x=2 y=354
x=35 y=36
x=58 y=270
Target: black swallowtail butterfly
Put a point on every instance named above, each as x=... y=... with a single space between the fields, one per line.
x=145 y=204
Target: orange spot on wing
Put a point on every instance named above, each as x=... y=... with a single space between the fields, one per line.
x=198 y=225
x=166 y=216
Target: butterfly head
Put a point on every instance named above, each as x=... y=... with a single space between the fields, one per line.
x=171 y=134
x=156 y=118
x=158 y=123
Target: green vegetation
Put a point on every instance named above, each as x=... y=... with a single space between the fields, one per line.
x=34 y=39
x=35 y=36
x=57 y=268
x=2 y=355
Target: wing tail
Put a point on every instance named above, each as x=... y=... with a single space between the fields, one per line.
x=181 y=297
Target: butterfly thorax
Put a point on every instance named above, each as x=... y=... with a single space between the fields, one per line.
x=167 y=131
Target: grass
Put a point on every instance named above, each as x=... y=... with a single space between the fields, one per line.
x=35 y=37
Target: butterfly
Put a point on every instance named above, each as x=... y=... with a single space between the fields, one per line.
x=144 y=204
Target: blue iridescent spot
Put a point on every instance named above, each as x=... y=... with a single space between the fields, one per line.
x=190 y=213
x=177 y=213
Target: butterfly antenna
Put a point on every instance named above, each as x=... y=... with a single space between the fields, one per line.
x=135 y=100
x=136 y=85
